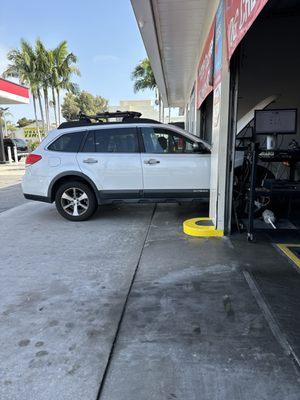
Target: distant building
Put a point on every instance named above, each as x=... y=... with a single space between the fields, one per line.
x=146 y=107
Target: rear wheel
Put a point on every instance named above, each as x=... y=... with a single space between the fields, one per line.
x=75 y=201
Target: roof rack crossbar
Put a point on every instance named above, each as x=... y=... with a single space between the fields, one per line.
x=127 y=117
x=108 y=115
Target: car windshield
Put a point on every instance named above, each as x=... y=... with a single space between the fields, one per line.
x=194 y=137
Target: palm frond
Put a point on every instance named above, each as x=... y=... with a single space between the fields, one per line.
x=143 y=76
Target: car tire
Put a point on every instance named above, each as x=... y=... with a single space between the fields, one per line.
x=75 y=201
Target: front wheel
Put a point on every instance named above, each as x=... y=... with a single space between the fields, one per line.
x=75 y=201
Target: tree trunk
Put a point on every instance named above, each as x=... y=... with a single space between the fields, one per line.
x=46 y=108
x=36 y=119
x=41 y=108
x=54 y=105
x=58 y=105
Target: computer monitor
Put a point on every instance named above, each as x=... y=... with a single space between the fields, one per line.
x=275 y=122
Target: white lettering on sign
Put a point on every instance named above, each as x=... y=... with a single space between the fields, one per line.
x=246 y=7
x=233 y=24
x=206 y=63
x=239 y=20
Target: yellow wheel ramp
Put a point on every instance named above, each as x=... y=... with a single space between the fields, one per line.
x=201 y=227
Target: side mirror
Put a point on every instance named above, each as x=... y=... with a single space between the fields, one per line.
x=196 y=147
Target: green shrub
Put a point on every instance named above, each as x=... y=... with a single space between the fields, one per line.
x=33 y=145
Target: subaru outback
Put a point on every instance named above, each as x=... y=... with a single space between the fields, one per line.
x=83 y=164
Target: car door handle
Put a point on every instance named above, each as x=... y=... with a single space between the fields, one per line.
x=90 y=161
x=152 y=161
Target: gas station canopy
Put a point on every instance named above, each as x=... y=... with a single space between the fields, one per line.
x=12 y=93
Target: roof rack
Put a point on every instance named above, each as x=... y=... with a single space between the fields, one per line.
x=128 y=117
x=108 y=115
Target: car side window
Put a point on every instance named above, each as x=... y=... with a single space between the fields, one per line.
x=89 y=145
x=116 y=140
x=163 y=141
x=68 y=143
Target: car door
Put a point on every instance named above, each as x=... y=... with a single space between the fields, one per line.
x=110 y=156
x=171 y=167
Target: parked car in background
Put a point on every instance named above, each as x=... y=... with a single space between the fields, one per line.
x=20 y=144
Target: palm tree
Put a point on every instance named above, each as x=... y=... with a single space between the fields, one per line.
x=42 y=69
x=62 y=70
x=44 y=73
x=23 y=66
x=143 y=76
x=53 y=81
x=4 y=113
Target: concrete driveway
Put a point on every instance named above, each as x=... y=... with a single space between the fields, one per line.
x=63 y=287
x=125 y=306
x=10 y=185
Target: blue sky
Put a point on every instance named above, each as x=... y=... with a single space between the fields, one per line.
x=102 y=33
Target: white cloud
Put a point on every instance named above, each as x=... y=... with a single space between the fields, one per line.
x=105 y=58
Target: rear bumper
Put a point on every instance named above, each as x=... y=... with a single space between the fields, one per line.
x=35 y=185
x=34 y=197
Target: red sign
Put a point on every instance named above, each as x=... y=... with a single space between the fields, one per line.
x=239 y=16
x=206 y=68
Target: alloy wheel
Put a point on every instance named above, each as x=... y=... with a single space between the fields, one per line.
x=74 y=201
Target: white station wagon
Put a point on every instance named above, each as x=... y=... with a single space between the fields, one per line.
x=82 y=165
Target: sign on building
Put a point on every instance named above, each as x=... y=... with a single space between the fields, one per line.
x=239 y=16
x=32 y=133
x=206 y=68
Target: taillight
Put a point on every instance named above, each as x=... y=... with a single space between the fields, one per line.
x=32 y=159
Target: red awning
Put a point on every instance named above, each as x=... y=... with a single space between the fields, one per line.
x=206 y=68
x=12 y=93
x=239 y=16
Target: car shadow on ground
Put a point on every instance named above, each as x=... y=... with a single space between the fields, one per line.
x=180 y=211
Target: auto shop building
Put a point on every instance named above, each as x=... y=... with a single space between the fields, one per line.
x=220 y=60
